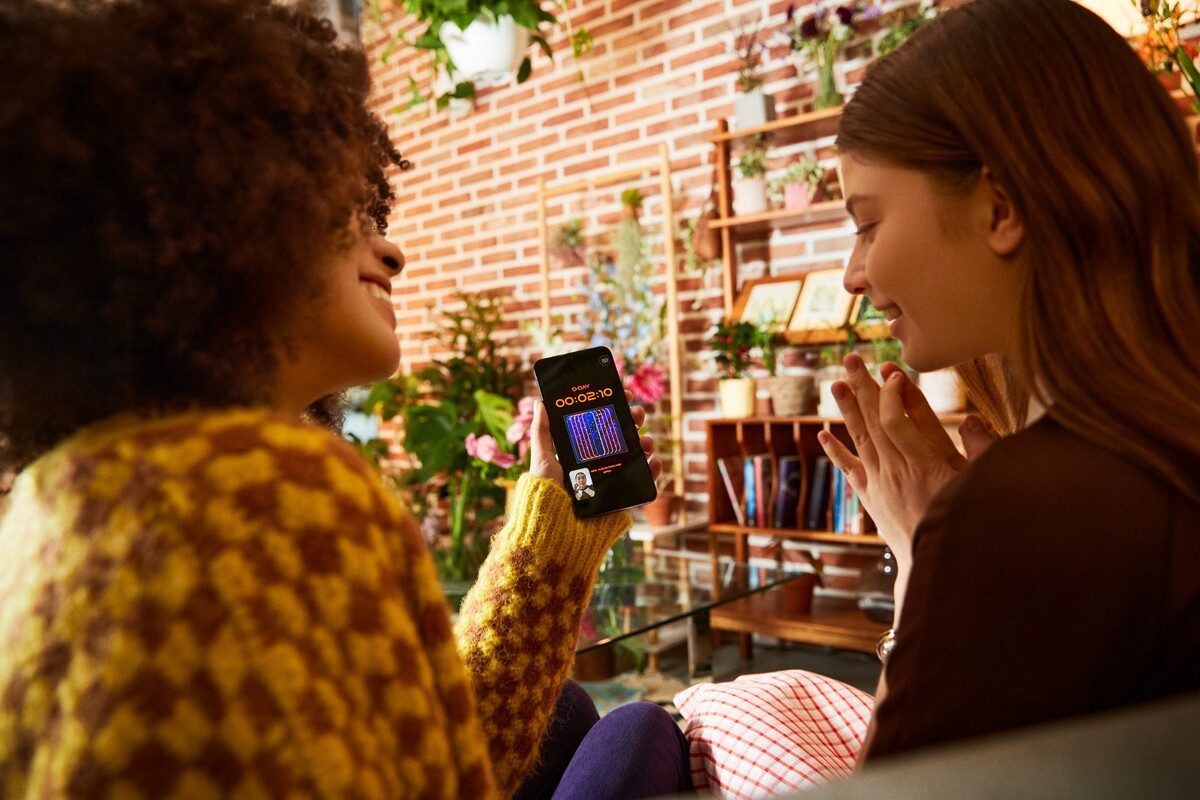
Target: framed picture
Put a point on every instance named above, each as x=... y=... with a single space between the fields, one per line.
x=824 y=304
x=868 y=321
x=768 y=299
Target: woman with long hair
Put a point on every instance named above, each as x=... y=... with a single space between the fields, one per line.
x=1027 y=208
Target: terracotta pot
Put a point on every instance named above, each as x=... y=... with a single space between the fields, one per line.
x=796 y=196
x=798 y=594
x=661 y=510
x=595 y=665
x=737 y=397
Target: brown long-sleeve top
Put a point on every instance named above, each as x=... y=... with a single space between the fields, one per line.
x=1052 y=578
x=230 y=605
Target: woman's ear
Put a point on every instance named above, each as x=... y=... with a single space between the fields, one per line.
x=1007 y=229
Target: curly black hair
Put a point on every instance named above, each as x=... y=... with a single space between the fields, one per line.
x=176 y=172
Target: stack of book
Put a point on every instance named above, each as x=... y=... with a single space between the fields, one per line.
x=764 y=494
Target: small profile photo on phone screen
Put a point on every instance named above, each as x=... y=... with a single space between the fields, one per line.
x=581 y=484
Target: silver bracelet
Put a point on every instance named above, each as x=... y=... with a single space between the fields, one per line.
x=883 y=647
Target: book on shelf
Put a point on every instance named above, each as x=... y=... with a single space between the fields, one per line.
x=757 y=477
x=847 y=508
x=733 y=479
x=787 y=496
x=818 y=496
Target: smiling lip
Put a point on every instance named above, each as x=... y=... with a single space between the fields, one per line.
x=377 y=290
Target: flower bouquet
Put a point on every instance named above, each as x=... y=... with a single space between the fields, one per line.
x=817 y=40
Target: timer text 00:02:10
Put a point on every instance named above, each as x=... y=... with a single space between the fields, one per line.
x=583 y=397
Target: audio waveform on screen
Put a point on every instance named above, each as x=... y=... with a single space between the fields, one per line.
x=595 y=433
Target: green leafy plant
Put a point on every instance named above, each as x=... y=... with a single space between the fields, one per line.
x=471 y=393
x=731 y=342
x=632 y=198
x=904 y=24
x=567 y=242
x=752 y=162
x=767 y=339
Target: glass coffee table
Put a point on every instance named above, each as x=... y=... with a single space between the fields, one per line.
x=667 y=595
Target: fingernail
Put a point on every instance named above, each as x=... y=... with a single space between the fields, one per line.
x=894 y=377
x=971 y=425
x=851 y=364
x=840 y=392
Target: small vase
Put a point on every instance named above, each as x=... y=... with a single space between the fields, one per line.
x=827 y=94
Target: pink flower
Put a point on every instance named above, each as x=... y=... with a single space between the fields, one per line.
x=487 y=449
x=647 y=384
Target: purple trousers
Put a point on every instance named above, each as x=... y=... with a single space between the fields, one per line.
x=634 y=751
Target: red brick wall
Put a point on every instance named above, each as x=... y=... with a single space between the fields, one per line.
x=661 y=71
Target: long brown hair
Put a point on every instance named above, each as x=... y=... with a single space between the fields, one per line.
x=1099 y=165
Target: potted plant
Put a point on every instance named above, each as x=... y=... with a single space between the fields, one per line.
x=732 y=342
x=750 y=188
x=792 y=394
x=816 y=41
x=750 y=106
x=801 y=184
x=486 y=42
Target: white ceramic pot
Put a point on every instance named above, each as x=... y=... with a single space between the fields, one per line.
x=749 y=196
x=826 y=405
x=737 y=397
x=753 y=108
x=488 y=53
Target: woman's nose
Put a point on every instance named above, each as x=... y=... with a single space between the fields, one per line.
x=388 y=254
x=855 y=278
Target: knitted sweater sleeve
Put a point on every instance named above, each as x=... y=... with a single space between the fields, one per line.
x=519 y=624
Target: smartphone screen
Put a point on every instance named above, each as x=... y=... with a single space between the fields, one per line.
x=604 y=468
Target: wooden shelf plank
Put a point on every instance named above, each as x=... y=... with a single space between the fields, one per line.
x=832 y=622
x=782 y=218
x=793 y=533
x=813 y=125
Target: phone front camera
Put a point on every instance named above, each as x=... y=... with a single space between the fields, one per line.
x=604 y=361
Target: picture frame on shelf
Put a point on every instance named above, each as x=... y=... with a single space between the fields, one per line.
x=765 y=299
x=824 y=304
x=869 y=322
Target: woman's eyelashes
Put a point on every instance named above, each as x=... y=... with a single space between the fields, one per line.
x=864 y=229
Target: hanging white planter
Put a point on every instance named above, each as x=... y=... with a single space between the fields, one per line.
x=488 y=53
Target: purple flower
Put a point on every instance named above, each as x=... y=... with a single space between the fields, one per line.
x=808 y=28
x=791 y=11
x=845 y=14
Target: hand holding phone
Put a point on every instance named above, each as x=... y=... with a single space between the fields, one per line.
x=591 y=425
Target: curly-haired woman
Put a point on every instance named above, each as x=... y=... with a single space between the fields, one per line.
x=201 y=594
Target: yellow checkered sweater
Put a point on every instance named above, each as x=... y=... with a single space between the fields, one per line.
x=230 y=605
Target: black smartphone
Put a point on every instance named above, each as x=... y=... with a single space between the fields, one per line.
x=604 y=468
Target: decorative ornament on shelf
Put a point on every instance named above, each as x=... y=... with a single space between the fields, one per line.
x=817 y=40
x=751 y=106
